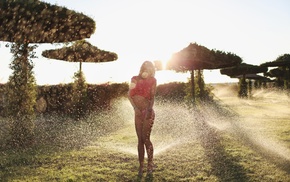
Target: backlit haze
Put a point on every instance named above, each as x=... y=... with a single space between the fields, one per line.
x=255 y=30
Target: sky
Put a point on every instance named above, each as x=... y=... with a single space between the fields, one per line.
x=139 y=30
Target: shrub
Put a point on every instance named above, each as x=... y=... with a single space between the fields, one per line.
x=174 y=91
x=21 y=95
x=79 y=96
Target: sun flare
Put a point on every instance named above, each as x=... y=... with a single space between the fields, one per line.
x=167 y=76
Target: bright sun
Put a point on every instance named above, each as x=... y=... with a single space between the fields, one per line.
x=164 y=63
x=166 y=76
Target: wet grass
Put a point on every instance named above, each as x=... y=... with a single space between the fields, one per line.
x=217 y=142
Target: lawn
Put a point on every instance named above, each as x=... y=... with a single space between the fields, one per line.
x=229 y=140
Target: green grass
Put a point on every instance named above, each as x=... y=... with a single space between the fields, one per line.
x=220 y=142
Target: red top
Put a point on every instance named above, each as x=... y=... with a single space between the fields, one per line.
x=143 y=86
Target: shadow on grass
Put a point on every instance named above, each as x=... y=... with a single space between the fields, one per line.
x=224 y=166
x=268 y=153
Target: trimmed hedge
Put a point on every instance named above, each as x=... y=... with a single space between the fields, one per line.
x=174 y=91
x=58 y=98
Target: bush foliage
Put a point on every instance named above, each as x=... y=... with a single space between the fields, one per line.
x=62 y=98
x=21 y=95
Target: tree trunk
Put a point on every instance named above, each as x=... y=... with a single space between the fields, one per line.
x=200 y=85
x=243 y=90
x=80 y=66
x=192 y=86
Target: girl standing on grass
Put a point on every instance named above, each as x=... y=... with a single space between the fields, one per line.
x=141 y=95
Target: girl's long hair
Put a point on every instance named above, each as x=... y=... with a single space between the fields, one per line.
x=147 y=65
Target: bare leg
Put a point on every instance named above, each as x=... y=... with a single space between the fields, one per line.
x=141 y=150
x=147 y=128
x=140 y=112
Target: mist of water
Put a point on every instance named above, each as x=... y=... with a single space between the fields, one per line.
x=175 y=124
x=252 y=127
x=64 y=132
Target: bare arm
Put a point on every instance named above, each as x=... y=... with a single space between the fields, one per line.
x=131 y=86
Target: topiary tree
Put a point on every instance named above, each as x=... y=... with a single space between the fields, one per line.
x=196 y=57
x=33 y=22
x=80 y=51
x=241 y=71
x=277 y=73
x=247 y=88
x=283 y=64
x=190 y=59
